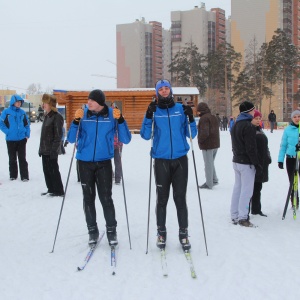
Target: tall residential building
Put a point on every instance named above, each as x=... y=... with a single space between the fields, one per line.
x=205 y=29
x=269 y=15
x=141 y=51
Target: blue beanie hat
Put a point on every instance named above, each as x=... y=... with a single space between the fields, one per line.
x=159 y=84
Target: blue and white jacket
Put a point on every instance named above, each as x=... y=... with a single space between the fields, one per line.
x=171 y=129
x=289 y=141
x=14 y=121
x=96 y=136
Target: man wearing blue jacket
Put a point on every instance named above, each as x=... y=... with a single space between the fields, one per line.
x=16 y=126
x=170 y=148
x=93 y=130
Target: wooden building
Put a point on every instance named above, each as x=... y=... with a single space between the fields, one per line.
x=133 y=103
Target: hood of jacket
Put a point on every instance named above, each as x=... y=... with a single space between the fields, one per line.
x=14 y=99
x=203 y=108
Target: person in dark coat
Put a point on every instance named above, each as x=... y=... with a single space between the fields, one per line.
x=51 y=135
x=245 y=163
x=209 y=142
x=225 y=123
x=272 y=120
x=15 y=125
x=264 y=159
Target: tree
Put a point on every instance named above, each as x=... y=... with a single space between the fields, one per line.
x=187 y=68
x=34 y=89
x=282 y=60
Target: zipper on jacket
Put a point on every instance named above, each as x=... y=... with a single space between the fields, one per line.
x=170 y=133
x=95 y=139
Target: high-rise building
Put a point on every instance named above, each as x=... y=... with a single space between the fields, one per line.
x=259 y=19
x=141 y=51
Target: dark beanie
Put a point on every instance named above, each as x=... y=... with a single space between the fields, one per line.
x=246 y=107
x=98 y=96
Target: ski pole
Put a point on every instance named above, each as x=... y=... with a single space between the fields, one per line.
x=149 y=198
x=196 y=177
x=123 y=185
x=63 y=201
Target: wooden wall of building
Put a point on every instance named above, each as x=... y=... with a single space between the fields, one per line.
x=133 y=104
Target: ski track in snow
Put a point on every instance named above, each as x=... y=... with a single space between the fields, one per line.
x=243 y=263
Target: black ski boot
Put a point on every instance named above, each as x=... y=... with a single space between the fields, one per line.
x=111 y=233
x=161 y=237
x=93 y=238
x=184 y=239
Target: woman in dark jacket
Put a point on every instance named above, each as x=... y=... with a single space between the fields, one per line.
x=50 y=145
x=262 y=174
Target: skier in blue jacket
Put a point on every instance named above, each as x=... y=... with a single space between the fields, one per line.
x=16 y=126
x=93 y=129
x=289 y=142
x=170 y=148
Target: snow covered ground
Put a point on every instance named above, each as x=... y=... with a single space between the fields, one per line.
x=243 y=263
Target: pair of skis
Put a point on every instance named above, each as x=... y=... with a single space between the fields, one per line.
x=164 y=266
x=113 y=259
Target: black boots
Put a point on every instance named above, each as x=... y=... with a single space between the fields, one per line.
x=161 y=237
x=111 y=233
x=184 y=239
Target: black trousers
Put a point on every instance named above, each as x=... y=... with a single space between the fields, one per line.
x=52 y=175
x=92 y=175
x=17 y=149
x=290 y=167
x=171 y=172
x=255 y=200
x=118 y=163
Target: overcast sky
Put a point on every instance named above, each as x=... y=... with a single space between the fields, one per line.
x=60 y=43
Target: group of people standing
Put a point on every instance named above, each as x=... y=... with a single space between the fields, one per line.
x=99 y=132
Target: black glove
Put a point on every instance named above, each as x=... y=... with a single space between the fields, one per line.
x=298 y=147
x=188 y=111
x=258 y=168
x=66 y=143
x=151 y=109
x=53 y=155
x=280 y=165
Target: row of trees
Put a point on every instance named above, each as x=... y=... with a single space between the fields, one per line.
x=276 y=62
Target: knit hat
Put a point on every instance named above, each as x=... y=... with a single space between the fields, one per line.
x=51 y=100
x=98 y=96
x=159 y=84
x=246 y=107
x=257 y=114
x=295 y=112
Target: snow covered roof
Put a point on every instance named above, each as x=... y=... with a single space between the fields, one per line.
x=176 y=90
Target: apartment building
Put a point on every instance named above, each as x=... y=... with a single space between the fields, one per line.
x=143 y=54
x=259 y=19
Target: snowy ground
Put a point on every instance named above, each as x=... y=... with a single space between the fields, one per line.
x=243 y=263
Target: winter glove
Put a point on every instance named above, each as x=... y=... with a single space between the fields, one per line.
x=298 y=147
x=258 y=168
x=53 y=155
x=188 y=111
x=117 y=115
x=151 y=109
x=78 y=115
x=66 y=143
x=280 y=165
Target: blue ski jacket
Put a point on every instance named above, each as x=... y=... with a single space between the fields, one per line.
x=14 y=121
x=171 y=129
x=289 y=141
x=95 y=140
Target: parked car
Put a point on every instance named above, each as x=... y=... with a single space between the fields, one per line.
x=28 y=108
